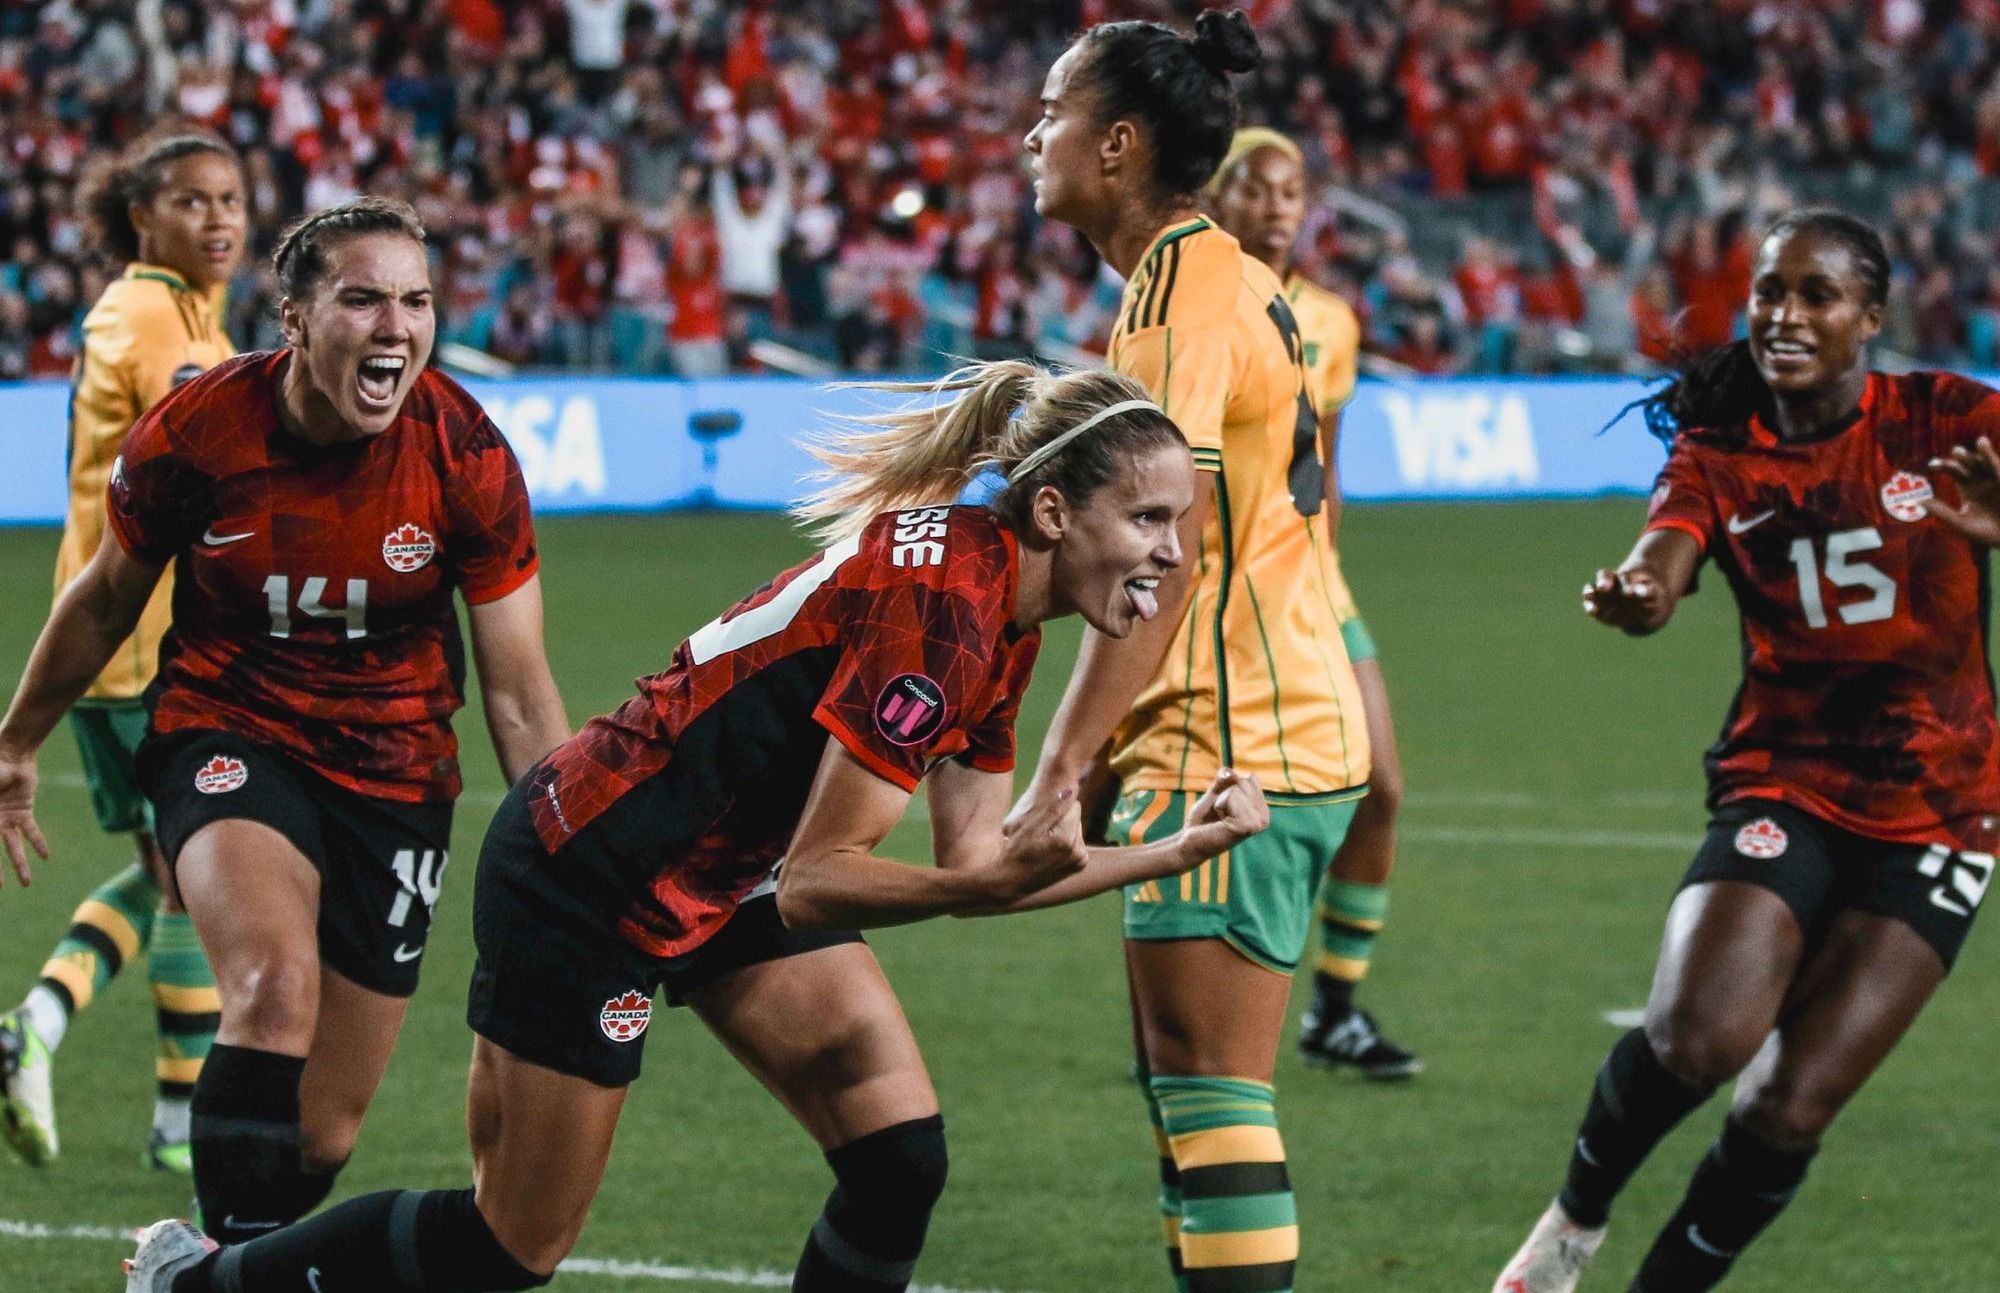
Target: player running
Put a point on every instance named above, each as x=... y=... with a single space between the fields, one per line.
x=171 y=207
x=321 y=503
x=1244 y=667
x=1259 y=198
x=1852 y=792
x=641 y=854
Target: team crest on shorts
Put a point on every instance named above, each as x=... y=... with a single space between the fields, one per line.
x=407 y=548
x=220 y=775
x=626 y=1015
x=1762 y=839
x=910 y=709
x=1905 y=494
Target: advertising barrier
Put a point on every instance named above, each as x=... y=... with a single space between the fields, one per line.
x=609 y=444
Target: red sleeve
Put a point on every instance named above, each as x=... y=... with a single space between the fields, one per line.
x=1681 y=500
x=911 y=667
x=492 y=543
x=157 y=499
x=1963 y=410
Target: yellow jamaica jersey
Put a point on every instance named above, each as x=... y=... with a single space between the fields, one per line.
x=1257 y=676
x=1331 y=338
x=148 y=333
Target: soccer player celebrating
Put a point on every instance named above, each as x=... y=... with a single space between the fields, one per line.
x=321 y=503
x=1244 y=666
x=641 y=854
x=171 y=207
x=1853 y=789
x=1259 y=198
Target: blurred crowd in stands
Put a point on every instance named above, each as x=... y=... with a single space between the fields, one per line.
x=657 y=185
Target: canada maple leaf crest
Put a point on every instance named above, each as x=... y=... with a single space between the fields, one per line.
x=220 y=774
x=408 y=547
x=626 y=1015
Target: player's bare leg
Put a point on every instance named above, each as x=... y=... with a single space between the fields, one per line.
x=540 y=1142
x=1352 y=904
x=1853 y=1001
x=1210 y=1021
x=351 y=1046
x=823 y=1031
x=1725 y=968
x=255 y=902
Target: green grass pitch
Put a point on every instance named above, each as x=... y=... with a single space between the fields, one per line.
x=1555 y=792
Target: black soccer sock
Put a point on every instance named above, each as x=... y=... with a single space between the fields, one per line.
x=1741 y=1186
x=868 y=1238
x=1333 y=998
x=245 y=1141
x=1634 y=1102
x=398 y=1241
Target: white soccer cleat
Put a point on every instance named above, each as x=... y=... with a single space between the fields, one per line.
x=166 y=1248
x=27 y=1093
x=1554 y=1257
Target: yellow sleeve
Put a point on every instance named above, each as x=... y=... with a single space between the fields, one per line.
x=1342 y=358
x=1187 y=370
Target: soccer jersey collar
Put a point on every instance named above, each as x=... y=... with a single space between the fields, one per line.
x=1173 y=233
x=1762 y=435
x=158 y=274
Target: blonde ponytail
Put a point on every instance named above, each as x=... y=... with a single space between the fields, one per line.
x=927 y=453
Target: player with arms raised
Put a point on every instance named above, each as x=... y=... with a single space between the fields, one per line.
x=640 y=855
x=171 y=207
x=1259 y=197
x=321 y=504
x=1854 y=787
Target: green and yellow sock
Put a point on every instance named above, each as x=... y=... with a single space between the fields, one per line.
x=109 y=928
x=1239 y=1229
x=1350 y=919
x=188 y=1010
x=1170 y=1187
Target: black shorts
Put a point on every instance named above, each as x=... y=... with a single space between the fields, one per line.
x=1820 y=869
x=380 y=861
x=557 y=986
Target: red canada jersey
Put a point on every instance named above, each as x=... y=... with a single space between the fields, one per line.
x=312 y=597
x=897 y=642
x=1866 y=698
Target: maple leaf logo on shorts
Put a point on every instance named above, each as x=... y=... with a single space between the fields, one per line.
x=220 y=775
x=626 y=1015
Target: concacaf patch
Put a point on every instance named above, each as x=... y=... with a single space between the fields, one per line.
x=220 y=775
x=626 y=1015
x=407 y=548
x=1762 y=839
x=1904 y=496
x=910 y=709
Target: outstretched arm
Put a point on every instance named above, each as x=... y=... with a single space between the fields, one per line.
x=93 y=615
x=1639 y=597
x=524 y=712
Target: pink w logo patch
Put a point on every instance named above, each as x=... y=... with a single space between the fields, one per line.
x=910 y=709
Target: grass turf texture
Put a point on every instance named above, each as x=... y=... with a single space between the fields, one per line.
x=1554 y=774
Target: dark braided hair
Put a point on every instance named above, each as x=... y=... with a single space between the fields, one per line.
x=1720 y=389
x=113 y=186
x=302 y=249
x=1178 y=87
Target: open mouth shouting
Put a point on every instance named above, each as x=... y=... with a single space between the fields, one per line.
x=377 y=380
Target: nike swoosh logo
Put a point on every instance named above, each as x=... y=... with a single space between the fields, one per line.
x=214 y=540
x=312 y=1278
x=231 y=1223
x=403 y=953
x=1737 y=525
x=1694 y=1237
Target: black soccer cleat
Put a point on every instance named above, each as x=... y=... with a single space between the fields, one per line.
x=1354 y=1040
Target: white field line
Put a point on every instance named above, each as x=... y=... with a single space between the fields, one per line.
x=1631 y=1017
x=631 y=1270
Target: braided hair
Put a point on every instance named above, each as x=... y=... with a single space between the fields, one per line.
x=303 y=248
x=1721 y=388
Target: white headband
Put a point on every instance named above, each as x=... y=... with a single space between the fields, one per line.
x=1053 y=447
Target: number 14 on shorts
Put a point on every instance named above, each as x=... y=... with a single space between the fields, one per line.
x=421 y=875
x=1971 y=873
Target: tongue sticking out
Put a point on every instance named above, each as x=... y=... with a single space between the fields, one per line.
x=1144 y=602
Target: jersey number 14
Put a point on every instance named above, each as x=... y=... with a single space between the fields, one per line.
x=1842 y=571
x=278 y=600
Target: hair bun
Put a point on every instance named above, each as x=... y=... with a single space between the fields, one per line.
x=1225 y=42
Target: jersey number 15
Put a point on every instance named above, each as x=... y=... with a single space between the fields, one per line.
x=1844 y=572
